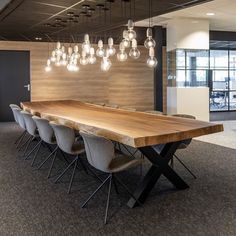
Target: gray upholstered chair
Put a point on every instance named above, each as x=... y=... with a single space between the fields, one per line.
x=184 y=144
x=101 y=155
x=48 y=138
x=30 y=127
x=12 y=106
x=70 y=144
x=21 y=122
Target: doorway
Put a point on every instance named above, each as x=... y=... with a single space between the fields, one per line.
x=14 y=81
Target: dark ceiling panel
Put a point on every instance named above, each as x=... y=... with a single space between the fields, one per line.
x=28 y=19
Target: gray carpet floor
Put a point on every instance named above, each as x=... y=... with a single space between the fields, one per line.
x=31 y=204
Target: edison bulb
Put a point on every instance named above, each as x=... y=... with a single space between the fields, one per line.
x=126 y=43
x=122 y=56
x=152 y=62
x=92 y=59
x=83 y=61
x=149 y=43
x=134 y=53
x=105 y=64
x=48 y=68
x=53 y=57
x=131 y=34
x=100 y=52
x=111 y=51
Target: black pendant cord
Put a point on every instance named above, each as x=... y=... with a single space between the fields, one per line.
x=110 y=18
x=149 y=13
x=130 y=9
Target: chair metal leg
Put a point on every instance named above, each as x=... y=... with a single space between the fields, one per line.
x=53 y=160
x=28 y=155
x=20 y=137
x=182 y=163
x=72 y=176
x=36 y=153
x=108 y=200
x=94 y=193
x=27 y=146
x=25 y=143
x=67 y=168
x=46 y=159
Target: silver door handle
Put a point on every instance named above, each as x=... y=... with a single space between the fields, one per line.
x=27 y=86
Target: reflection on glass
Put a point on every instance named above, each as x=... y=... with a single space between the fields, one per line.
x=219 y=59
x=219 y=101
x=232 y=60
x=197 y=59
x=232 y=102
x=220 y=80
x=180 y=59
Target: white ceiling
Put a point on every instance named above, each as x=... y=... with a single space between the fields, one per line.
x=223 y=20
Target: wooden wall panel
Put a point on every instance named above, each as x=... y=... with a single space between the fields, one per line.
x=126 y=84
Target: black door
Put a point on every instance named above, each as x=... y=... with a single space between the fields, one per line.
x=14 y=81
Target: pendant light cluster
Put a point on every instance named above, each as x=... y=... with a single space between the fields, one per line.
x=150 y=42
x=71 y=58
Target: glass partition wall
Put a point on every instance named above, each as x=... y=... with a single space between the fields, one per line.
x=201 y=68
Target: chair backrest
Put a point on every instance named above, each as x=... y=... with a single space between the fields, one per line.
x=45 y=130
x=30 y=125
x=19 y=117
x=99 y=151
x=65 y=136
x=186 y=142
x=13 y=111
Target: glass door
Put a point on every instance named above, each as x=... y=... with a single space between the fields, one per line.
x=219 y=65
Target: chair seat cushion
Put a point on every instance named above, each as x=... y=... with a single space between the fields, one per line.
x=122 y=162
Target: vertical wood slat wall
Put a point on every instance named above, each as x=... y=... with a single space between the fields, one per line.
x=127 y=84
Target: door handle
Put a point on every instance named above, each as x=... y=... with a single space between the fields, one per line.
x=27 y=86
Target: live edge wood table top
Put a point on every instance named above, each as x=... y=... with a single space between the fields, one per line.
x=136 y=129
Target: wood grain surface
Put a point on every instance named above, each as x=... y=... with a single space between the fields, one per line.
x=136 y=129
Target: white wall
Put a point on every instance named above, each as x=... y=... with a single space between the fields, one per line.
x=192 y=101
x=187 y=33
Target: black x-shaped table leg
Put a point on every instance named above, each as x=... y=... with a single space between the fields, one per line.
x=160 y=165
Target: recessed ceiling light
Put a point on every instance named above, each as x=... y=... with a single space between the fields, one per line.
x=210 y=14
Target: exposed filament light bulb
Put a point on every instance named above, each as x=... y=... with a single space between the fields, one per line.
x=149 y=42
x=83 y=59
x=152 y=61
x=100 y=51
x=106 y=62
x=122 y=55
x=53 y=57
x=92 y=59
x=125 y=40
x=48 y=67
x=134 y=52
x=111 y=49
x=86 y=45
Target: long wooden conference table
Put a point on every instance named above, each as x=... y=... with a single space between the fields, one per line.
x=137 y=129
